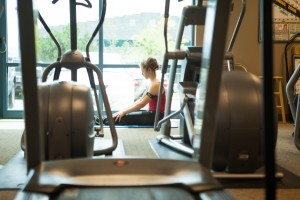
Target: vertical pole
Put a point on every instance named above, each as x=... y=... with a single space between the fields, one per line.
x=2 y=57
x=73 y=25
x=34 y=141
x=268 y=100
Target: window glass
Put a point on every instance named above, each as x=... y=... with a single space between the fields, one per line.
x=13 y=72
x=11 y=81
x=12 y=32
x=130 y=35
x=126 y=85
x=136 y=31
x=119 y=83
x=57 y=18
x=126 y=31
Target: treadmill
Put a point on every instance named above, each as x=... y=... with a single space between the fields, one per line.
x=125 y=178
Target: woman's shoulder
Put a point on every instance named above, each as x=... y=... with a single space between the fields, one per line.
x=154 y=87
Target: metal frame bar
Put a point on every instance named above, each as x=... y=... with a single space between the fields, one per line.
x=295 y=110
x=34 y=141
x=3 y=69
x=268 y=100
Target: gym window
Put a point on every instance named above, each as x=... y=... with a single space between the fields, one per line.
x=128 y=36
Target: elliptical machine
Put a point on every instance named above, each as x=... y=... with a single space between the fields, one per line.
x=66 y=107
x=293 y=98
x=237 y=145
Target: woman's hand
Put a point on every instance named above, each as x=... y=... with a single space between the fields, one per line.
x=118 y=115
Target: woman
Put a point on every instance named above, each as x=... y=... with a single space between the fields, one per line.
x=133 y=115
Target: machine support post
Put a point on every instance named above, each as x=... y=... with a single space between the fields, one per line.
x=73 y=25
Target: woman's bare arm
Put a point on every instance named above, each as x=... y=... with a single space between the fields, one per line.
x=139 y=104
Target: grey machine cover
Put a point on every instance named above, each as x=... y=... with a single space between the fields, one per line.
x=68 y=119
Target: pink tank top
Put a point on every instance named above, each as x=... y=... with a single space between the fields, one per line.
x=153 y=103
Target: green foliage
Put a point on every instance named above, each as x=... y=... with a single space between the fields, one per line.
x=47 y=50
x=148 y=42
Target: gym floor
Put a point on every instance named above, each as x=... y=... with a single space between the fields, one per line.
x=135 y=143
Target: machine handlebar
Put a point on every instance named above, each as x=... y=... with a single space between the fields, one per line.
x=88 y=3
